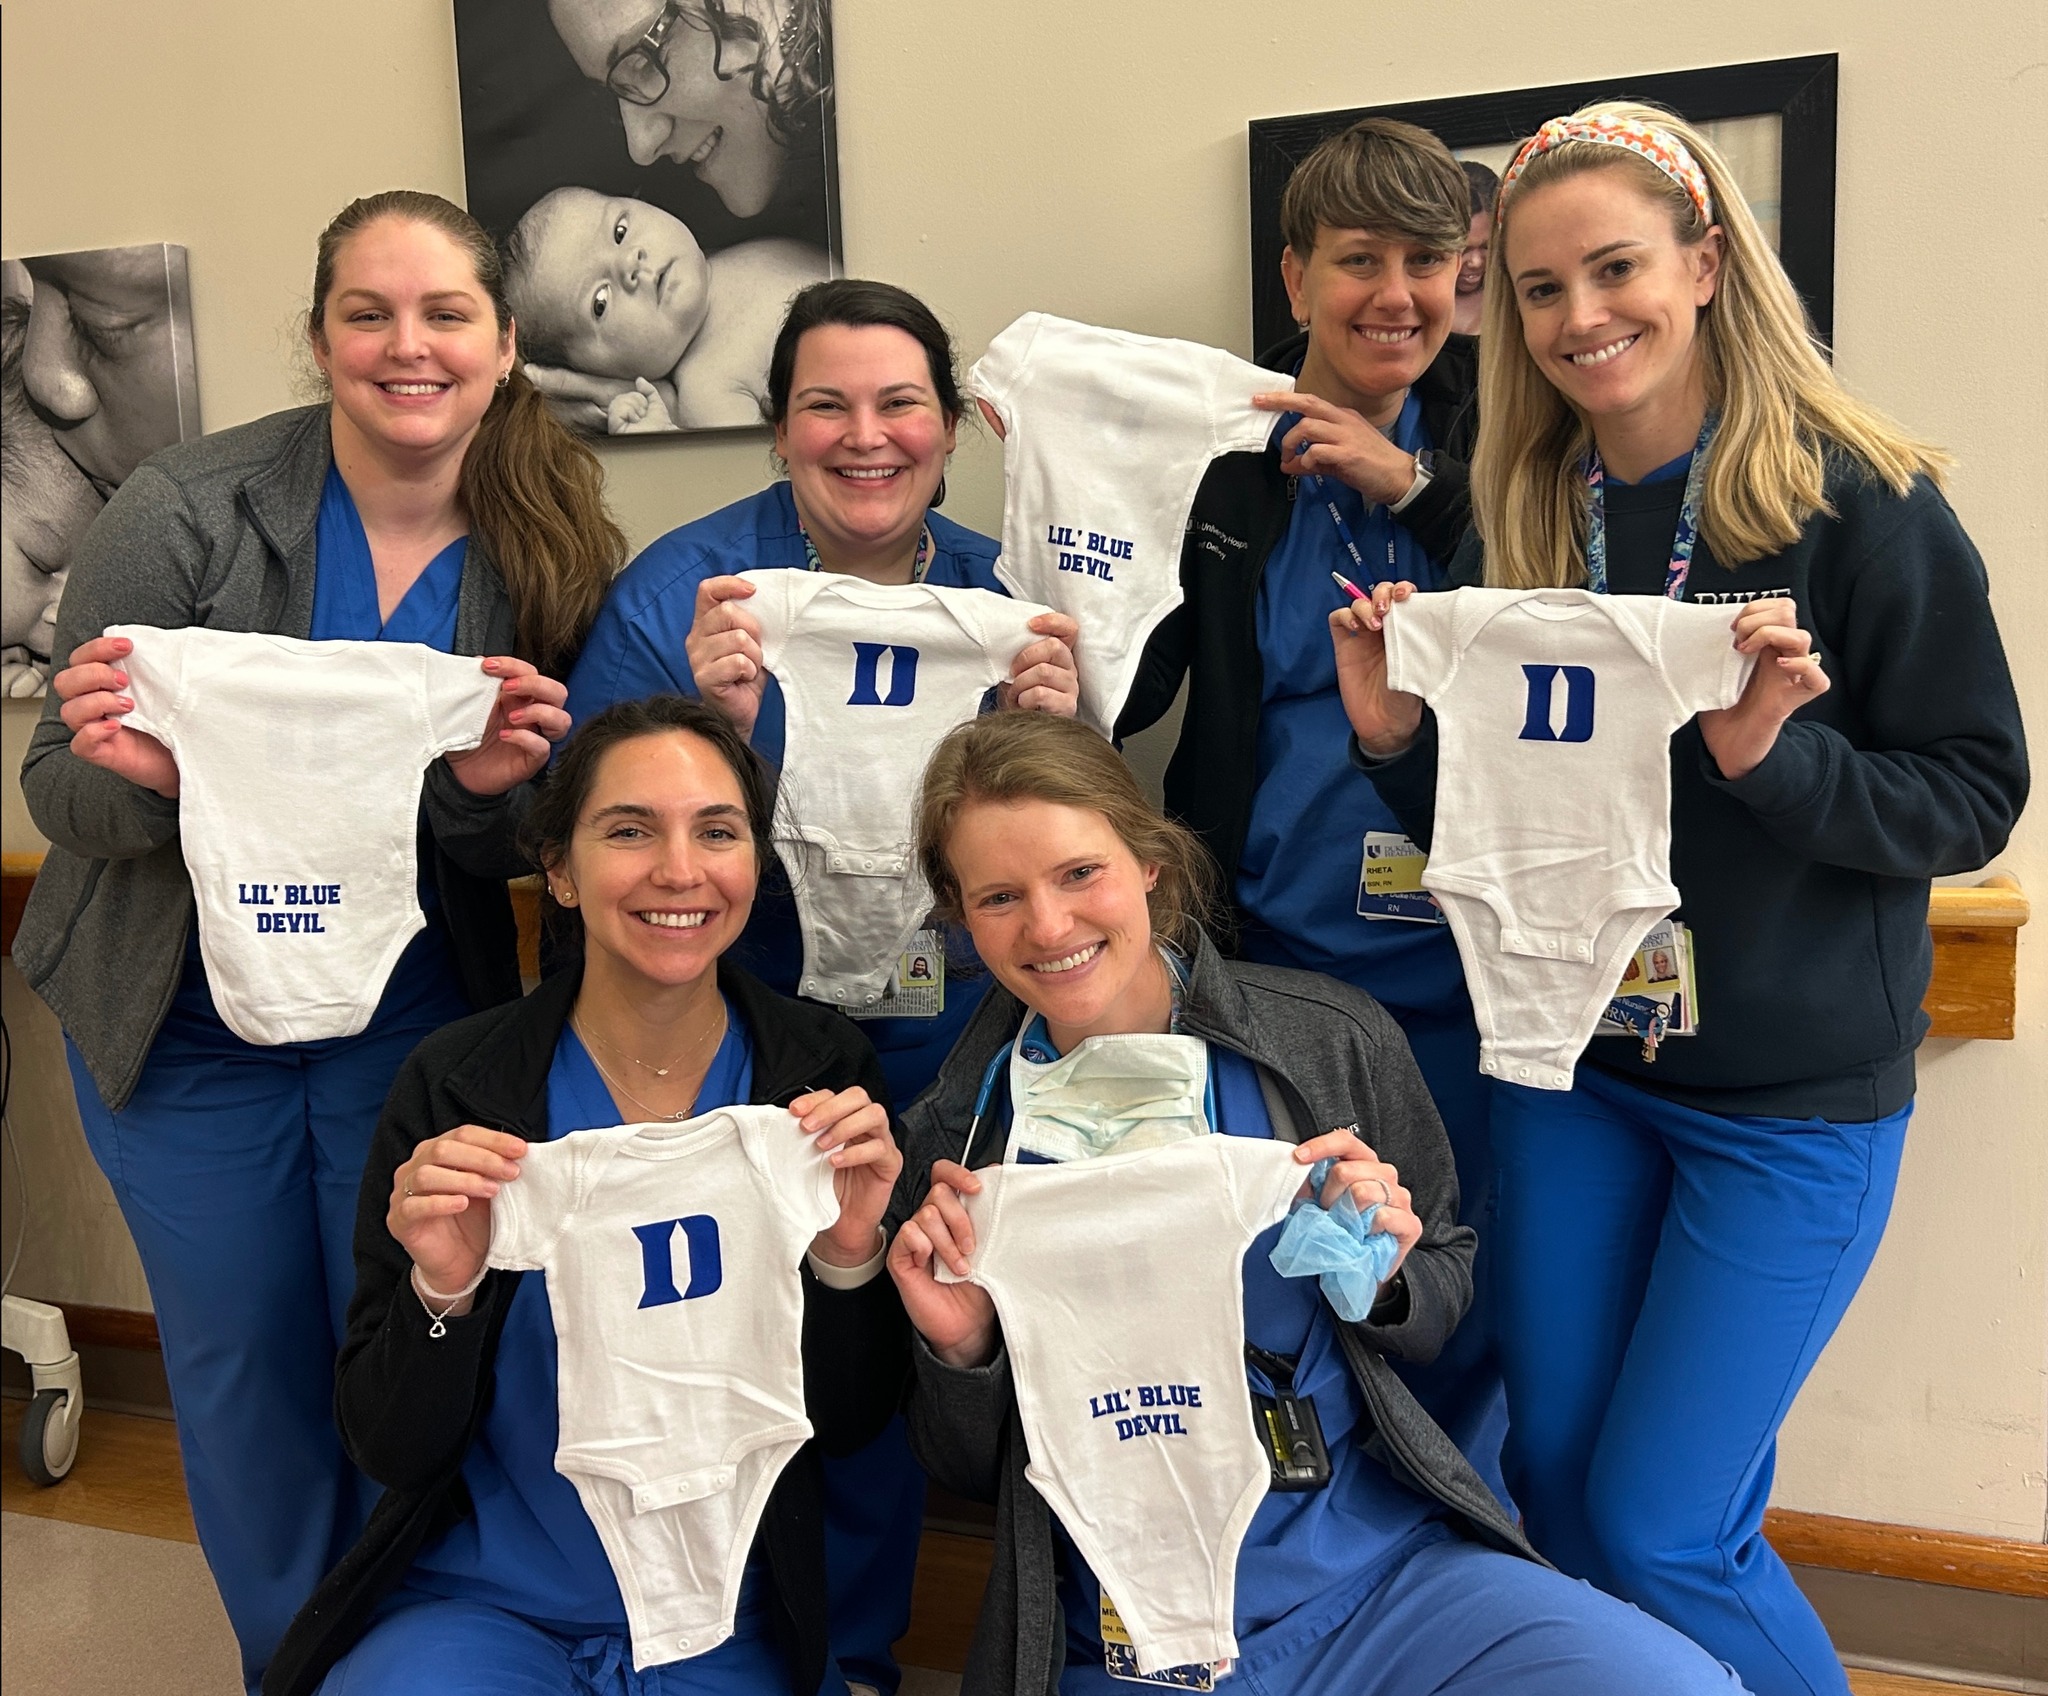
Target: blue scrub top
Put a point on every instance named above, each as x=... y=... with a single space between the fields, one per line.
x=1309 y=1557
x=530 y=1548
x=1298 y=874
x=636 y=649
x=424 y=987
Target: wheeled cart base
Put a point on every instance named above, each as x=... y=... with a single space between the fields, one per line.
x=49 y=1432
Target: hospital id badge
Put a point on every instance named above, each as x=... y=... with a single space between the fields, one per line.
x=1390 y=881
x=917 y=987
x=1120 y=1659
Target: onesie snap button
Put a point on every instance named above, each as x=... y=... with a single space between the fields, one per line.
x=682 y=1643
x=1523 y=1072
x=1561 y=1081
x=1550 y=948
x=867 y=865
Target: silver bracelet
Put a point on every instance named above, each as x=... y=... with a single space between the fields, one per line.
x=428 y=1295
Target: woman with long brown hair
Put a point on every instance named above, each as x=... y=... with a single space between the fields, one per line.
x=430 y=499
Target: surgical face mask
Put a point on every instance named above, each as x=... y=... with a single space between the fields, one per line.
x=1111 y=1095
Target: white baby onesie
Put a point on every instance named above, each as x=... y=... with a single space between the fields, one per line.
x=299 y=774
x=873 y=676
x=1552 y=857
x=1107 y=437
x=671 y=1253
x=1119 y=1285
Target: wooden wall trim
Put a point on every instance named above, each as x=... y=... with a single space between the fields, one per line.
x=109 y=1328
x=2004 y=1565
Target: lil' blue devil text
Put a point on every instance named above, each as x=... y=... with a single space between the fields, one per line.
x=293 y=895
x=1124 y=1406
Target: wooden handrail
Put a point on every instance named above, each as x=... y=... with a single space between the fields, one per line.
x=1998 y=903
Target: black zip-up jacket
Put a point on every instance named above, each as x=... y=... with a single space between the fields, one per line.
x=1241 y=512
x=409 y=1406
x=1805 y=881
x=1327 y=1055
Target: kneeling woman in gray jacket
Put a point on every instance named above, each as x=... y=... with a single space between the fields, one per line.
x=1086 y=905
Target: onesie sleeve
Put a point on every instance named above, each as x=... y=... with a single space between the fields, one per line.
x=779 y=595
x=998 y=374
x=1239 y=426
x=1701 y=664
x=156 y=678
x=459 y=696
x=527 y=1214
x=799 y=1175
x=1421 y=648
x=1001 y=625
x=1264 y=1178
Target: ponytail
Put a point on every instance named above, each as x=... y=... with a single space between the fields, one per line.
x=535 y=496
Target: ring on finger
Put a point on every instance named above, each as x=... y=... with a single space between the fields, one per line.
x=1386 y=1193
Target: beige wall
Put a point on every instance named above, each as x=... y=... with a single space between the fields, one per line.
x=1090 y=160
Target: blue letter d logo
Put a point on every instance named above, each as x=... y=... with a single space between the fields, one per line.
x=1578 y=704
x=657 y=1259
x=867 y=661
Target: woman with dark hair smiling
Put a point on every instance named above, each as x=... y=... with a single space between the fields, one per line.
x=481 y=1570
x=864 y=401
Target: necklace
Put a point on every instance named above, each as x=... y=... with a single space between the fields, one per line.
x=604 y=1072
x=717 y=1029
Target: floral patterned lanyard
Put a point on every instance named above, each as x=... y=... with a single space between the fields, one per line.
x=1682 y=541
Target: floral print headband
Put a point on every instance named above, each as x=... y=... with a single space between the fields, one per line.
x=1660 y=147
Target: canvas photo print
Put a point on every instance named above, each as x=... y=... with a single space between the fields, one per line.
x=96 y=374
x=661 y=177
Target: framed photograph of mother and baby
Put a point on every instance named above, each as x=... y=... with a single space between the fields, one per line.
x=1774 y=121
x=660 y=176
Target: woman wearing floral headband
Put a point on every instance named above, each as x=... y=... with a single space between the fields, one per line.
x=1681 y=1232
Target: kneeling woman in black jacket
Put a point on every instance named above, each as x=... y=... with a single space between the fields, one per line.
x=1085 y=904
x=481 y=1570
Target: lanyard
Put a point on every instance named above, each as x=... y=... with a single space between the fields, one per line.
x=918 y=566
x=1366 y=574
x=1682 y=541
x=1404 y=433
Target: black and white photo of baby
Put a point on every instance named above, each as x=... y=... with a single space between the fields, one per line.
x=96 y=374
x=661 y=176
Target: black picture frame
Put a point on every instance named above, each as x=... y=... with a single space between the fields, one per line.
x=1801 y=92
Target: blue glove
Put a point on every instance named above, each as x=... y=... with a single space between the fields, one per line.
x=1340 y=1245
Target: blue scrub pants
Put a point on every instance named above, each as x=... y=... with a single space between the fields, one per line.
x=237 y=1169
x=1667 y=1279
x=1461 y=1389
x=874 y=1517
x=1458 y=1619
x=430 y=1647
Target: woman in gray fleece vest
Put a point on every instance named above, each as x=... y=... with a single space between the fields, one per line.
x=1386 y=1568
x=434 y=500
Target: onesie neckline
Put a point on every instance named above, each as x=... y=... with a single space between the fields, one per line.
x=1539 y=605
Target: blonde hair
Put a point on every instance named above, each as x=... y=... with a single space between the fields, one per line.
x=1017 y=756
x=1781 y=406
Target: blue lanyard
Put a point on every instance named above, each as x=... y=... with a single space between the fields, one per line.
x=1682 y=541
x=1366 y=575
